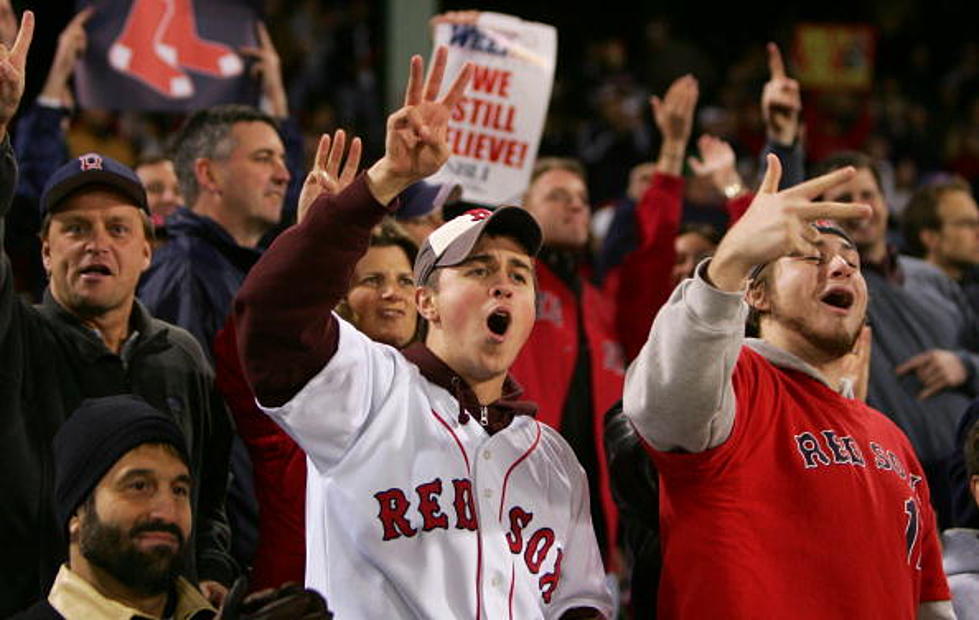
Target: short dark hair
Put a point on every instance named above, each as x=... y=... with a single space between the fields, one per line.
x=842 y=159
x=922 y=212
x=708 y=231
x=207 y=134
x=972 y=450
x=752 y=325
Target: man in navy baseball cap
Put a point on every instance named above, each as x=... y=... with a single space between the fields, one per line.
x=92 y=169
x=95 y=236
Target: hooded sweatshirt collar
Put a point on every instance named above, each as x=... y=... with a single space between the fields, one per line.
x=783 y=359
x=497 y=414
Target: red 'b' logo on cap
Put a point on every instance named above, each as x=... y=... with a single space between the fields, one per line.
x=90 y=161
x=478 y=215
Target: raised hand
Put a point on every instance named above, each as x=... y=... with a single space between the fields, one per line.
x=781 y=101
x=718 y=163
x=325 y=177
x=454 y=17
x=936 y=369
x=778 y=224
x=855 y=365
x=674 y=118
x=12 y=63
x=71 y=45
x=268 y=68
x=416 y=145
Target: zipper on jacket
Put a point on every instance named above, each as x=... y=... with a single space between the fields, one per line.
x=483 y=415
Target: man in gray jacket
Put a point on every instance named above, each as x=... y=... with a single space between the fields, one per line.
x=924 y=365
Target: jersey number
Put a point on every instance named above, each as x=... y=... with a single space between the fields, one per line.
x=914 y=525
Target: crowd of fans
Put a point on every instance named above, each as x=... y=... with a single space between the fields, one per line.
x=227 y=370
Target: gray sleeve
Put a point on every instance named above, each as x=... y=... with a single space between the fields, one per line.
x=678 y=390
x=936 y=610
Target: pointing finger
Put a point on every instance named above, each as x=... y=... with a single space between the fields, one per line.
x=353 y=162
x=435 y=73
x=336 y=153
x=18 y=53
x=913 y=363
x=776 y=67
x=833 y=211
x=413 y=91
x=773 y=174
x=322 y=151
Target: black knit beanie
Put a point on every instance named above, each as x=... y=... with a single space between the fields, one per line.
x=97 y=435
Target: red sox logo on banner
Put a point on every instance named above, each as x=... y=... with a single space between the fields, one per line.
x=175 y=55
x=160 y=40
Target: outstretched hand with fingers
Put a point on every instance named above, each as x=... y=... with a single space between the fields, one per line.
x=268 y=69
x=12 y=62
x=416 y=145
x=717 y=162
x=674 y=112
x=779 y=223
x=71 y=45
x=781 y=101
x=326 y=177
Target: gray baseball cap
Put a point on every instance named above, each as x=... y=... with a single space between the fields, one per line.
x=451 y=243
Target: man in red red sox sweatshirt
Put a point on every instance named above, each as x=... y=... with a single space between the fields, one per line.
x=781 y=496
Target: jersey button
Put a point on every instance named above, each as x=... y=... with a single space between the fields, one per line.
x=487 y=455
x=487 y=493
x=496 y=580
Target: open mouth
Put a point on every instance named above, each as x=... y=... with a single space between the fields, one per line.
x=498 y=322
x=99 y=270
x=839 y=298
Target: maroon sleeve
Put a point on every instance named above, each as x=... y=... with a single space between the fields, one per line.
x=641 y=284
x=286 y=331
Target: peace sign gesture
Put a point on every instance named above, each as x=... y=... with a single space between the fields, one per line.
x=12 y=63
x=416 y=146
x=779 y=223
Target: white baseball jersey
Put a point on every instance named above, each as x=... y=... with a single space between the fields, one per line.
x=411 y=513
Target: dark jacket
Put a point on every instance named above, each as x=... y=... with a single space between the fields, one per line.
x=191 y=283
x=50 y=362
x=194 y=277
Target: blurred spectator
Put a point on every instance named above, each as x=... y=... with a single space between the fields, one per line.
x=572 y=364
x=961 y=545
x=422 y=205
x=925 y=353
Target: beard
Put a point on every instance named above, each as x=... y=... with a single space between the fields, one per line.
x=834 y=344
x=150 y=572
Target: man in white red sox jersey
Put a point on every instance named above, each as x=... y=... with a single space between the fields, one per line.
x=781 y=497
x=432 y=491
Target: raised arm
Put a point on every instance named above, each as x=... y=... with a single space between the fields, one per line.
x=12 y=62
x=286 y=332
x=781 y=108
x=678 y=391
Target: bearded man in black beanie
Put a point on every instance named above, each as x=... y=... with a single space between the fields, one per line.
x=122 y=494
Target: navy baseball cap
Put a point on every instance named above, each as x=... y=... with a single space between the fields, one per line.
x=92 y=169
x=422 y=198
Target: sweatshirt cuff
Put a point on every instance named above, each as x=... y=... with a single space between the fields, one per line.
x=711 y=305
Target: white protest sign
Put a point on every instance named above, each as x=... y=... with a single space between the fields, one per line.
x=495 y=129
